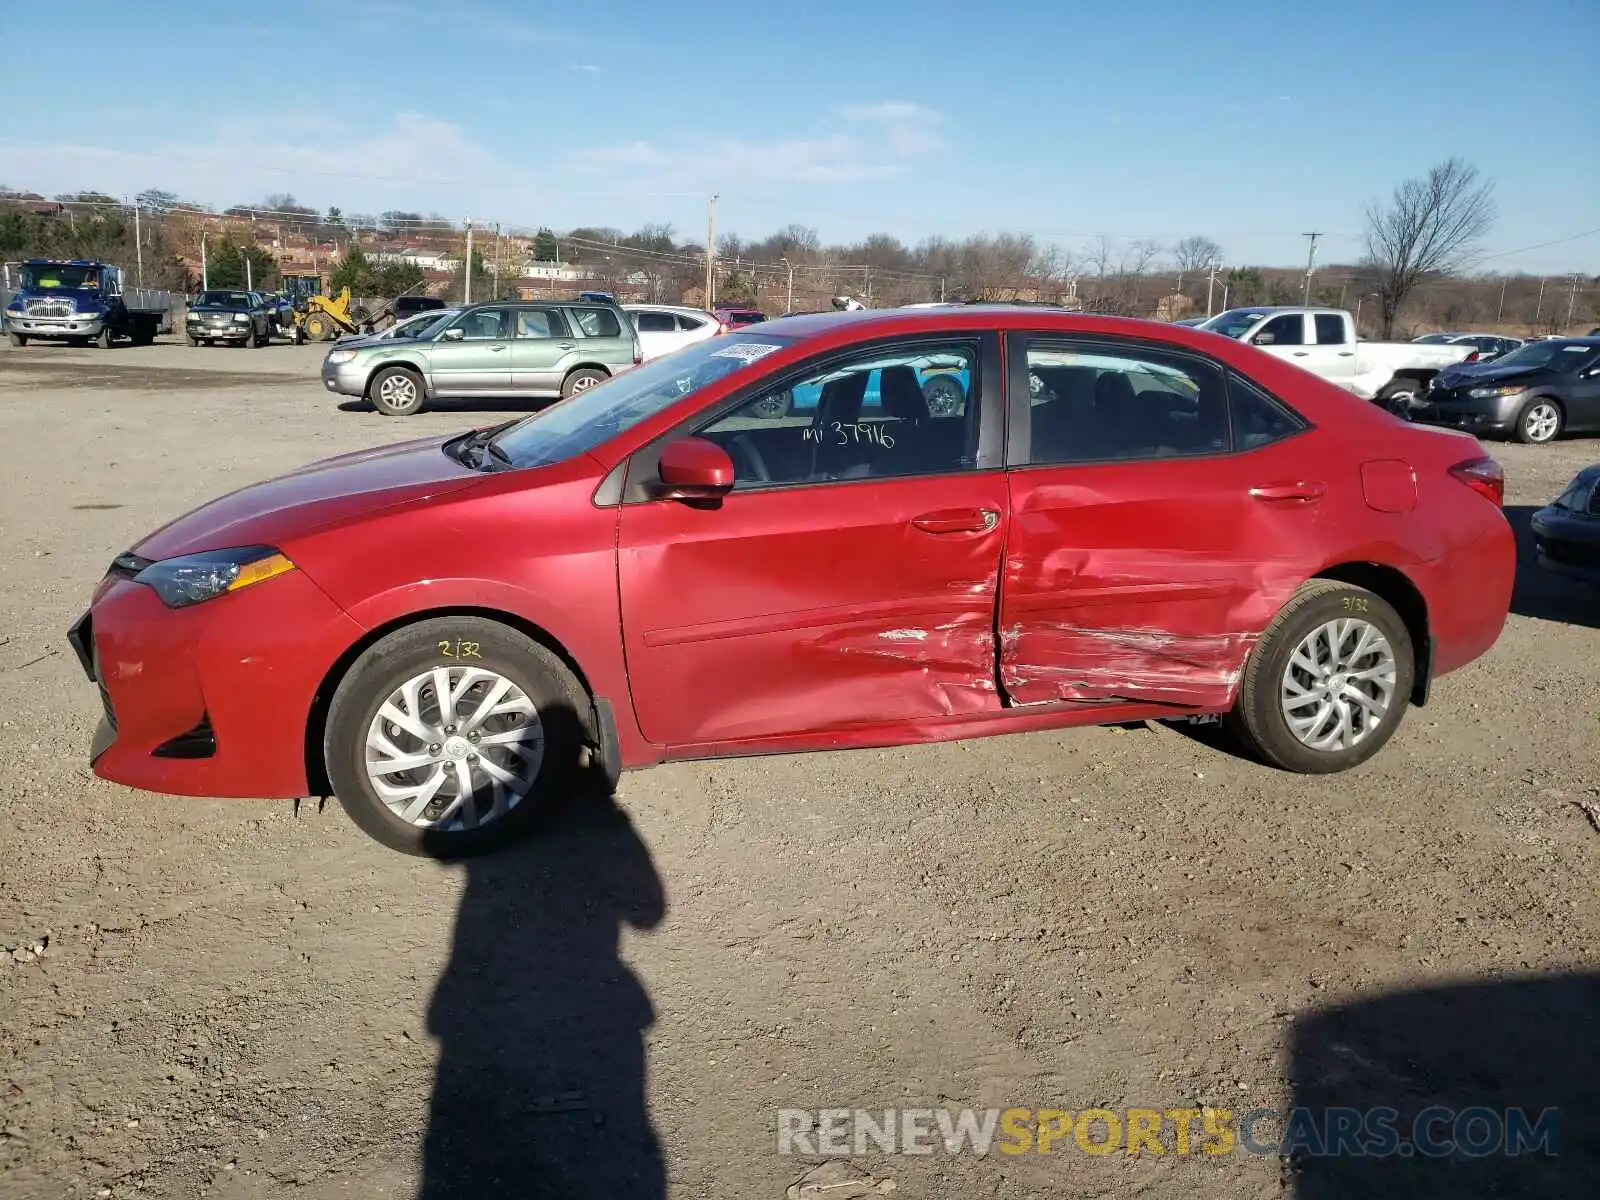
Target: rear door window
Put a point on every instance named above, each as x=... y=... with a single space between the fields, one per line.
x=654 y=322
x=1330 y=329
x=597 y=322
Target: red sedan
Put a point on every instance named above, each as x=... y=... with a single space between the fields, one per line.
x=1115 y=520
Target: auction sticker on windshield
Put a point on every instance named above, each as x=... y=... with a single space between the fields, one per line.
x=746 y=351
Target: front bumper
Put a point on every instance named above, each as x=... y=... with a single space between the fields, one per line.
x=214 y=699
x=1491 y=414
x=78 y=325
x=1567 y=543
x=232 y=331
x=345 y=379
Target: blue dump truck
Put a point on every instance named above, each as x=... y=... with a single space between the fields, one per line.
x=77 y=301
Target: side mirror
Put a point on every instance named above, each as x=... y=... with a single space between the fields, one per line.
x=693 y=468
x=1261 y=339
x=453 y=335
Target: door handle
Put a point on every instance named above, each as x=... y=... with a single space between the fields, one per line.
x=1303 y=492
x=1301 y=353
x=568 y=345
x=957 y=520
x=1347 y=354
x=496 y=349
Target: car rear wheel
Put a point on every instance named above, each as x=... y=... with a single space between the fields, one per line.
x=944 y=395
x=446 y=737
x=1327 y=684
x=1540 y=421
x=397 y=392
x=582 y=380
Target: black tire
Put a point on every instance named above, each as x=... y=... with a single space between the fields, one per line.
x=397 y=392
x=19 y=339
x=1399 y=396
x=774 y=406
x=945 y=396
x=1257 y=719
x=106 y=339
x=193 y=341
x=252 y=339
x=582 y=380
x=562 y=706
x=1539 y=421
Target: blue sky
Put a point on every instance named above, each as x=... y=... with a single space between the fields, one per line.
x=1249 y=122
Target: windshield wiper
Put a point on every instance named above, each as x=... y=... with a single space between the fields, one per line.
x=481 y=440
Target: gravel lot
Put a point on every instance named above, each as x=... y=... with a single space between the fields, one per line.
x=243 y=999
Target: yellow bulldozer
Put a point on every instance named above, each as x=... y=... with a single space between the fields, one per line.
x=324 y=318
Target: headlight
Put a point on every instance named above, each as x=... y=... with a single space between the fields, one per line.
x=195 y=577
x=341 y=356
x=1485 y=393
x=242 y=318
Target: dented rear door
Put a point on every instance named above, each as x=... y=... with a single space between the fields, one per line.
x=1146 y=553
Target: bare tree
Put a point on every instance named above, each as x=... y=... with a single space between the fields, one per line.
x=1195 y=254
x=1430 y=226
x=1097 y=255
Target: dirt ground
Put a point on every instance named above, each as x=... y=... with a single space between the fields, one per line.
x=251 y=999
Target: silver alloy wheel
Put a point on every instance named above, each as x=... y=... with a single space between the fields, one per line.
x=944 y=396
x=398 y=390
x=1542 y=422
x=1339 y=684
x=583 y=383
x=450 y=739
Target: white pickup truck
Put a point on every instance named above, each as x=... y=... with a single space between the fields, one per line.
x=1323 y=341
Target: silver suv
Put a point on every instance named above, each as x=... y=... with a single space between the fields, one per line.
x=543 y=350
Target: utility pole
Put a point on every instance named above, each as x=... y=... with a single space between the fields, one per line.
x=1211 y=283
x=711 y=250
x=941 y=289
x=1500 y=312
x=868 y=271
x=138 y=242
x=205 y=274
x=497 y=281
x=249 y=273
x=789 y=307
x=1311 y=261
x=1572 y=295
x=1539 y=308
x=466 y=268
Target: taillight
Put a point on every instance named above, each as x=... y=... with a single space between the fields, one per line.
x=638 y=352
x=1484 y=476
x=1473 y=357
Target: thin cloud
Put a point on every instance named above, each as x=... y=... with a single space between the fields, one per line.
x=588 y=68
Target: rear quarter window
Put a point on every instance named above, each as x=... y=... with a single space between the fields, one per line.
x=1257 y=418
x=597 y=322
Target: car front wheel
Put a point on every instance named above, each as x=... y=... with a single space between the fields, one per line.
x=446 y=737
x=1328 y=682
x=397 y=392
x=1539 y=421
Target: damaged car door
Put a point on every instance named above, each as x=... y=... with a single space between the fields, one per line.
x=849 y=576
x=1153 y=534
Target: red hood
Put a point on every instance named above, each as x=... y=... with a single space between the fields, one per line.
x=315 y=496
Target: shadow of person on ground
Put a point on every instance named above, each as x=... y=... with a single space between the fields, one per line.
x=1545 y=594
x=1528 y=1043
x=540 y=1089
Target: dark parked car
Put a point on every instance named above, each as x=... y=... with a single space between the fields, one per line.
x=1533 y=394
x=410 y=306
x=238 y=318
x=1566 y=532
x=446 y=632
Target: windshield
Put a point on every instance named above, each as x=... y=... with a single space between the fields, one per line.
x=424 y=324
x=583 y=421
x=1553 y=356
x=223 y=300
x=1234 y=323
x=47 y=276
